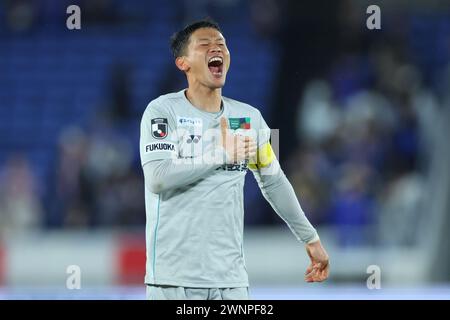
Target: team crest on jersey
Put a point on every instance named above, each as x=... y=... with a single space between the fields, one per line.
x=159 y=128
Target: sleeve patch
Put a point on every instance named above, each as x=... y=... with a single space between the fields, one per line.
x=159 y=128
x=160 y=147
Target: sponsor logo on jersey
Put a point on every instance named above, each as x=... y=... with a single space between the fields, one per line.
x=243 y=166
x=159 y=128
x=184 y=121
x=239 y=123
x=193 y=138
x=160 y=146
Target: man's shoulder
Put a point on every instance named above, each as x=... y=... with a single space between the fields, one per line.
x=164 y=102
x=172 y=96
x=242 y=106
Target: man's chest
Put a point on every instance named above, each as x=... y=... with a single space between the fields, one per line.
x=196 y=135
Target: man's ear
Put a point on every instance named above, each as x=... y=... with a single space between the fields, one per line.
x=182 y=64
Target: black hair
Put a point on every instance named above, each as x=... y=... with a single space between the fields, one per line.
x=180 y=39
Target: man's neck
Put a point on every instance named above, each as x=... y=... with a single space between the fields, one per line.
x=206 y=99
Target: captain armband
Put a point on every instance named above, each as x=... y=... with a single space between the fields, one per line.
x=264 y=157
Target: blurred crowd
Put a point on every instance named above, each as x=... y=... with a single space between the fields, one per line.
x=356 y=123
x=362 y=162
x=364 y=123
x=97 y=182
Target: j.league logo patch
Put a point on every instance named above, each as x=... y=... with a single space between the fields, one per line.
x=159 y=128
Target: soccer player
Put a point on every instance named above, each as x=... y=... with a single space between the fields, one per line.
x=194 y=179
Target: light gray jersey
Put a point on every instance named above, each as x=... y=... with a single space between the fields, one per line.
x=195 y=211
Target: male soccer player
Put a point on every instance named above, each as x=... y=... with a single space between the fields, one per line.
x=194 y=179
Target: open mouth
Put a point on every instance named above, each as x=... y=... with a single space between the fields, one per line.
x=215 y=65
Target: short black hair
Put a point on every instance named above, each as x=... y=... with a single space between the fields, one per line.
x=180 y=39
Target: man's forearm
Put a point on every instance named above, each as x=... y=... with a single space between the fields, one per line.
x=163 y=175
x=279 y=193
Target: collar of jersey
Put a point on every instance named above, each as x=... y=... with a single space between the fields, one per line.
x=212 y=115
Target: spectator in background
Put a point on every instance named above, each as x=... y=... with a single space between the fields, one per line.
x=73 y=201
x=120 y=93
x=97 y=184
x=112 y=177
x=20 y=204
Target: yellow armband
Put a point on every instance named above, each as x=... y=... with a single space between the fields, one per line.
x=264 y=157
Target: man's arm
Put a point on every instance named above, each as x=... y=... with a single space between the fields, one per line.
x=278 y=191
x=162 y=175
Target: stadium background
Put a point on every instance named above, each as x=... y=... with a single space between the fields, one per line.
x=364 y=126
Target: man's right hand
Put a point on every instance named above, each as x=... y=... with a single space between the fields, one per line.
x=237 y=147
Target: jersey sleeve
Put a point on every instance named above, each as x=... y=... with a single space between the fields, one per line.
x=158 y=139
x=277 y=190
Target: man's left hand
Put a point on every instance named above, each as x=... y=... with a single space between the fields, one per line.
x=319 y=268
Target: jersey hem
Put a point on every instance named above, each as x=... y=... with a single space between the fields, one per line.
x=200 y=284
